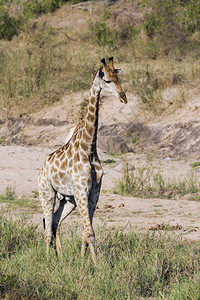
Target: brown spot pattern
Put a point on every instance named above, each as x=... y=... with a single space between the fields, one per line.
x=91 y=109
x=84 y=159
x=62 y=175
x=84 y=146
x=80 y=167
x=76 y=157
x=57 y=163
x=93 y=100
x=75 y=169
x=86 y=137
x=89 y=128
x=70 y=163
x=69 y=151
x=63 y=165
x=90 y=118
x=76 y=144
x=62 y=156
x=53 y=169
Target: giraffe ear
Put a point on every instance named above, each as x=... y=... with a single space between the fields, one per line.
x=104 y=62
x=111 y=63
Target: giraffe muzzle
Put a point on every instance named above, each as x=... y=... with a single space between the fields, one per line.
x=123 y=98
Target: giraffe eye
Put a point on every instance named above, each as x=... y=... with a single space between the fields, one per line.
x=116 y=71
x=107 y=81
x=101 y=74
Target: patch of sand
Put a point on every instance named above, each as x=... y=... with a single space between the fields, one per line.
x=19 y=167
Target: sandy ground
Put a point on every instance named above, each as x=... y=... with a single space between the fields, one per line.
x=19 y=167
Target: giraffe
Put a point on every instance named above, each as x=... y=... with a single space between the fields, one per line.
x=74 y=170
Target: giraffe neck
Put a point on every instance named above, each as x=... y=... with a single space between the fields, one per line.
x=89 y=135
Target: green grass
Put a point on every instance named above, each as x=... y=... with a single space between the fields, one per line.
x=109 y=161
x=195 y=164
x=9 y=194
x=10 y=198
x=146 y=181
x=130 y=266
x=136 y=138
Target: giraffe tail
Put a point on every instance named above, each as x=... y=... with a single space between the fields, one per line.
x=44 y=225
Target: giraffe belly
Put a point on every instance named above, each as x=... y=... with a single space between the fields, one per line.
x=63 y=186
x=64 y=190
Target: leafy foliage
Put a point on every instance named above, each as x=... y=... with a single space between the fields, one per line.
x=172 y=22
x=13 y=25
x=8 y=24
x=103 y=35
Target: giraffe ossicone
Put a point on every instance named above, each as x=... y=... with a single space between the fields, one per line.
x=74 y=170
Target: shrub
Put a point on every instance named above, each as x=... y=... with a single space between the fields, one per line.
x=35 y=8
x=153 y=25
x=102 y=35
x=172 y=21
x=9 y=26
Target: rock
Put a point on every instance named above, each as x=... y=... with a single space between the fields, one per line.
x=112 y=144
x=108 y=206
x=51 y=121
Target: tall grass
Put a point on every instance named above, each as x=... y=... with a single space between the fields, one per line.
x=40 y=73
x=42 y=64
x=17 y=17
x=146 y=181
x=130 y=266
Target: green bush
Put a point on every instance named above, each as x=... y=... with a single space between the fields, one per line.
x=191 y=13
x=103 y=35
x=9 y=26
x=172 y=21
x=153 y=25
x=35 y=8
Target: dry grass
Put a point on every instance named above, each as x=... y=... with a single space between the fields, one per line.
x=147 y=181
x=59 y=53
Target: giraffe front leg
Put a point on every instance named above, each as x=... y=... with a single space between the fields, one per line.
x=89 y=240
x=89 y=236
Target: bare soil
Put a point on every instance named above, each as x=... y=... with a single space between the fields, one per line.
x=172 y=140
x=19 y=167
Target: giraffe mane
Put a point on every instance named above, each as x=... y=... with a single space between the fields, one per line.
x=65 y=146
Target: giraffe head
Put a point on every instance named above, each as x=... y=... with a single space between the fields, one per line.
x=109 y=80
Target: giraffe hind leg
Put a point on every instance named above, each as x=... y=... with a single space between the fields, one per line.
x=66 y=206
x=48 y=202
